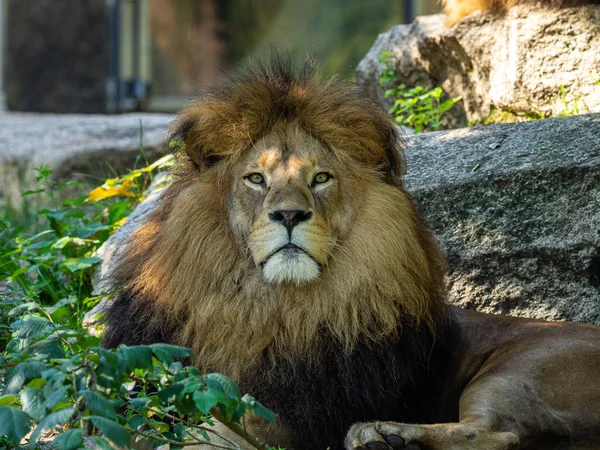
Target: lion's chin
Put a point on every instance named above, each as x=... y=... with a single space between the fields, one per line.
x=290 y=266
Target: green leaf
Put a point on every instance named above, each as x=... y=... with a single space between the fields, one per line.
x=166 y=353
x=63 y=241
x=32 y=400
x=36 y=383
x=180 y=431
x=32 y=328
x=68 y=183
x=228 y=386
x=258 y=408
x=205 y=400
x=171 y=393
x=99 y=405
x=21 y=372
x=36 y=191
x=136 y=422
x=102 y=443
x=14 y=424
x=117 y=211
x=18 y=310
x=59 y=304
x=55 y=398
x=6 y=400
x=70 y=440
x=114 y=432
x=139 y=403
x=75 y=264
x=127 y=358
x=135 y=357
x=59 y=417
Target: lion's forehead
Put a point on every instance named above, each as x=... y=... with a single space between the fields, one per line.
x=288 y=151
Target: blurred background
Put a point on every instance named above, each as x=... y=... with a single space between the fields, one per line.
x=111 y=56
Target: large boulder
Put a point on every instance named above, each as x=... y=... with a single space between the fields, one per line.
x=74 y=146
x=520 y=64
x=516 y=209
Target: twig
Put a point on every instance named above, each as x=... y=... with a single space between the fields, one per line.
x=191 y=425
x=180 y=444
x=56 y=331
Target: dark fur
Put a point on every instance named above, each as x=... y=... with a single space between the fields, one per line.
x=395 y=380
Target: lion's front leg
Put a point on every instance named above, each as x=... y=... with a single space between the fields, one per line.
x=450 y=436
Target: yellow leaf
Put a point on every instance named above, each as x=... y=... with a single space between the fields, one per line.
x=106 y=191
x=118 y=225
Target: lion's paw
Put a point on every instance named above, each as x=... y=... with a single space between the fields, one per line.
x=381 y=436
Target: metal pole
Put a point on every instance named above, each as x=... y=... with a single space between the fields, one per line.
x=409 y=11
x=2 y=31
x=113 y=88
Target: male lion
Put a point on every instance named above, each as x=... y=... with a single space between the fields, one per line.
x=455 y=10
x=288 y=255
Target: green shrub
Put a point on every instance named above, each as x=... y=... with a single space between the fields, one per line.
x=420 y=108
x=55 y=377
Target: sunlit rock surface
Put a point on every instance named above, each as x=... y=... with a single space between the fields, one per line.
x=517 y=64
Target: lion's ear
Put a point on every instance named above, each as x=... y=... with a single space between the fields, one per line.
x=183 y=137
x=394 y=156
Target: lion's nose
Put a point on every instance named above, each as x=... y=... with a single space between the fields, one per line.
x=290 y=218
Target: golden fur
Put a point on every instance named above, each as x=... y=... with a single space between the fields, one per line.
x=383 y=270
x=456 y=10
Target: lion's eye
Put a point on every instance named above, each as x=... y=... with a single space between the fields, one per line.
x=321 y=177
x=256 y=178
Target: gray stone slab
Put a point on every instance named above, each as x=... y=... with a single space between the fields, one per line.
x=73 y=145
x=516 y=209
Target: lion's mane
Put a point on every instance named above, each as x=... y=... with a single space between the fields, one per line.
x=458 y=9
x=184 y=277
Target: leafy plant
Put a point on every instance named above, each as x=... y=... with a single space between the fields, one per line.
x=419 y=107
x=568 y=109
x=62 y=381
x=52 y=261
x=57 y=383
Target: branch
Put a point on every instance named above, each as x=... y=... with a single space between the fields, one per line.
x=177 y=443
x=56 y=331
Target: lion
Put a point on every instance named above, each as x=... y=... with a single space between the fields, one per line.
x=456 y=10
x=289 y=256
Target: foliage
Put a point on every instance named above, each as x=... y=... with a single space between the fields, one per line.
x=56 y=382
x=52 y=260
x=568 y=109
x=419 y=107
x=63 y=381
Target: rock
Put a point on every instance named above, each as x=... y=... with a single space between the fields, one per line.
x=513 y=65
x=516 y=209
x=109 y=253
x=73 y=146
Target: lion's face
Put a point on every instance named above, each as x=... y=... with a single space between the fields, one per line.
x=287 y=205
